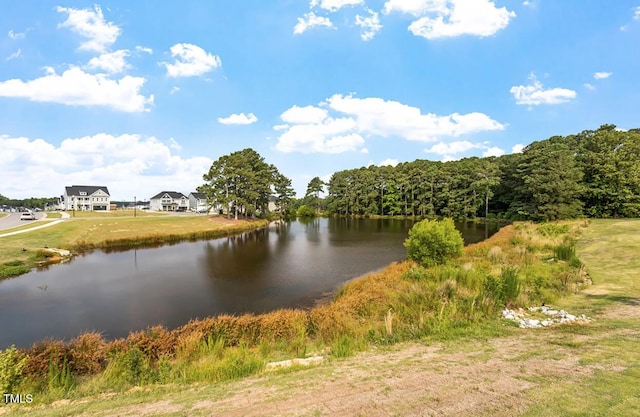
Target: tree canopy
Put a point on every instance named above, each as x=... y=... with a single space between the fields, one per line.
x=242 y=183
x=593 y=173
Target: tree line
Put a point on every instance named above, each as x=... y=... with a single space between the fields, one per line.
x=594 y=173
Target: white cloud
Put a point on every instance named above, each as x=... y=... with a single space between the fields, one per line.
x=528 y=3
x=334 y=5
x=534 y=93
x=14 y=55
x=450 y=18
x=144 y=49
x=174 y=90
x=76 y=87
x=451 y=151
x=129 y=164
x=301 y=115
x=452 y=148
x=190 y=60
x=589 y=86
x=238 y=119
x=390 y=118
x=309 y=21
x=389 y=162
x=493 y=151
x=90 y=24
x=517 y=148
x=15 y=35
x=311 y=129
x=111 y=62
x=364 y=151
x=601 y=75
x=636 y=13
x=370 y=25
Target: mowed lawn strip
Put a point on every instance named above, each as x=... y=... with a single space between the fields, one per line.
x=85 y=233
x=610 y=251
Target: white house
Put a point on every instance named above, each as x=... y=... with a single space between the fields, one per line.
x=169 y=201
x=86 y=198
x=198 y=202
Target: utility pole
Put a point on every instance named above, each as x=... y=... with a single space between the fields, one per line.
x=134 y=206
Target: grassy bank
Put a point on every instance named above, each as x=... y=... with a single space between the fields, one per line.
x=20 y=253
x=518 y=266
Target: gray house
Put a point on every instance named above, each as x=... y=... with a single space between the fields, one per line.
x=169 y=201
x=86 y=198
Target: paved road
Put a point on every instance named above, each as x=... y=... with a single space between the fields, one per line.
x=13 y=220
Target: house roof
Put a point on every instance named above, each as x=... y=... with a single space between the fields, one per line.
x=199 y=196
x=172 y=194
x=89 y=189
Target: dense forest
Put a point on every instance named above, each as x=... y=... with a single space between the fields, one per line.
x=593 y=173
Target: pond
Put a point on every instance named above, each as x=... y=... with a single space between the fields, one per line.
x=290 y=265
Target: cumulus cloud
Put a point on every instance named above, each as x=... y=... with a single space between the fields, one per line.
x=450 y=151
x=450 y=18
x=190 y=61
x=534 y=94
x=111 y=62
x=75 y=87
x=334 y=5
x=311 y=20
x=90 y=24
x=238 y=119
x=104 y=159
x=636 y=13
x=493 y=151
x=389 y=162
x=370 y=25
x=314 y=128
x=302 y=115
x=174 y=90
x=452 y=148
x=517 y=148
x=601 y=75
x=589 y=86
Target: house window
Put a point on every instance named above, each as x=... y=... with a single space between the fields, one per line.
x=83 y=193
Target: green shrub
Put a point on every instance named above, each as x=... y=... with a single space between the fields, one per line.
x=510 y=285
x=306 y=211
x=11 y=365
x=433 y=242
x=553 y=229
x=565 y=251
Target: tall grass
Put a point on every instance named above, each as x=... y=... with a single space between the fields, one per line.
x=402 y=302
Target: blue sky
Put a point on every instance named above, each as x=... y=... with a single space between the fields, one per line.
x=142 y=96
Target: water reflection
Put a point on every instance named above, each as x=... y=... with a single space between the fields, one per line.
x=284 y=265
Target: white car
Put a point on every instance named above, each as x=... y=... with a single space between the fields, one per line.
x=27 y=215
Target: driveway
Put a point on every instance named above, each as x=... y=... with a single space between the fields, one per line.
x=13 y=220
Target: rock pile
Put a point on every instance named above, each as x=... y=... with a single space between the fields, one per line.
x=544 y=316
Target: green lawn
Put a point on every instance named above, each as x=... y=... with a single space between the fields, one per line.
x=91 y=232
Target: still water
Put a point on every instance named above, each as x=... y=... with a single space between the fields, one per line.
x=287 y=266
